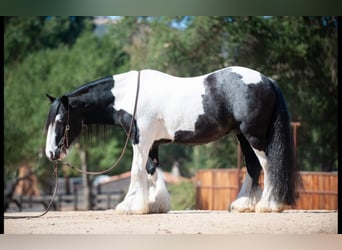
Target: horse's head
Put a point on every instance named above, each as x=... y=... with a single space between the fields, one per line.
x=62 y=127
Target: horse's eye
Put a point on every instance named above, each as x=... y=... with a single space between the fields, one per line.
x=59 y=123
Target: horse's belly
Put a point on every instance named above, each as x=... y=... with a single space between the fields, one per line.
x=180 y=115
x=191 y=126
x=204 y=130
x=199 y=136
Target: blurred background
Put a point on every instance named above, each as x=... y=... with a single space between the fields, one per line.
x=54 y=55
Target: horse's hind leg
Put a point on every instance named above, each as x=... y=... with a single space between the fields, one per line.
x=250 y=192
x=267 y=203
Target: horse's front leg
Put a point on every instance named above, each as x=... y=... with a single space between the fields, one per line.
x=159 y=197
x=153 y=159
x=136 y=199
x=147 y=193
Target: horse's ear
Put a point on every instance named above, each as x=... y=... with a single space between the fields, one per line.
x=65 y=101
x=51 y=98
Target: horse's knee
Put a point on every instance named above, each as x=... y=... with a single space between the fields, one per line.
x=151 y=166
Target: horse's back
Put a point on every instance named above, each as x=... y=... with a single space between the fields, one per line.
x=233 y=89
x=206 y=107
x=226 y=75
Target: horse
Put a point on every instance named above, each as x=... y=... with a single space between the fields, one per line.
x=190 y=111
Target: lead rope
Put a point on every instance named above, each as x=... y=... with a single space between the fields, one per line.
x=126 y=143
x=49 y=205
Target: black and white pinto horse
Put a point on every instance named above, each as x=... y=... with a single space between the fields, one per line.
x=190 y=111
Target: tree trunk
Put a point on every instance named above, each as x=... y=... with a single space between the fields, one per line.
x=85 y=181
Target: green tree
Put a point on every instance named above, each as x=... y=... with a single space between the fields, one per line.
x=55 y=70
x=24 y=35
x=301 y=54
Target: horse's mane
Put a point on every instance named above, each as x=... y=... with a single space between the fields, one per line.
x=95 y=134
x=85 y=88
x=90 y=134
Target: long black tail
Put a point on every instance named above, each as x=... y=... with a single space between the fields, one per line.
x=283 y=173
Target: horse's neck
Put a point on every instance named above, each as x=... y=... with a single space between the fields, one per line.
x=124 y=91
x=93 y=106
x=124 y=82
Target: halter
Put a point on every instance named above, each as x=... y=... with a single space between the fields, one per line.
x=66 y=130
x=65 y=143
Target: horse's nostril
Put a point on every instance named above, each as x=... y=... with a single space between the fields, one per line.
x=52 y=157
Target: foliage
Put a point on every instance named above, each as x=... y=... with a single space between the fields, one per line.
x=183 y=195
x=24 y=35
x=301 y=54
x=57 y=54
x=55 y=71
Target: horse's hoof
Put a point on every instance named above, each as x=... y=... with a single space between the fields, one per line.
x=242 y=205
x=129 y=207
x=269 y=207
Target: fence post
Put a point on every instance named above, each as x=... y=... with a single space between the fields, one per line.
x=294 y=134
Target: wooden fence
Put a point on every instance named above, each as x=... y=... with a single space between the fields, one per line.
x=217 y=188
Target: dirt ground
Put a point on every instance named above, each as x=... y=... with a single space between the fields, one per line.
x=175 y=222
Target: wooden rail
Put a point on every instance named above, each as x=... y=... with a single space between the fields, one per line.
x=217 y=188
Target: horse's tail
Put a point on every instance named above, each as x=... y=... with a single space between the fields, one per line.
x=283 y=174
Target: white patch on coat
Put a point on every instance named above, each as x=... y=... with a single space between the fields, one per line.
x=248 y=75
x=262 y=158
x=159 y=198
x=51 y=138
x=264 y=164
x=137 y=198
x=266 y=203
x=260 y=200
x=165 y=104
x=174 y=102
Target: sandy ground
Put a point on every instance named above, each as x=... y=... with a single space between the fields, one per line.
x=175 y=222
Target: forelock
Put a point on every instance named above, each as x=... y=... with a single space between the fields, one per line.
x=52 y=113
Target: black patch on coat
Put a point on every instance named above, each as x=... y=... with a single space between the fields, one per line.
x=231 y=105
x=218 y=119
x=153 y=156
x=97 y=101
x=91 y=103
x=252 y=162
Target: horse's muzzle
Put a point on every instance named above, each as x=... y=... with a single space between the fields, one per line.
x=54 y=157
x=58 y=155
